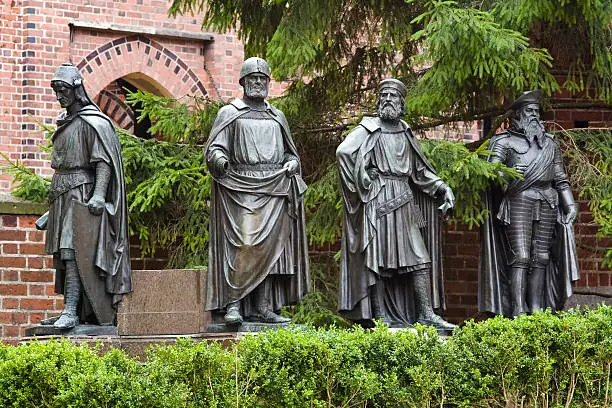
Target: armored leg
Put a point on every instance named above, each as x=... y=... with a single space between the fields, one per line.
x=377 y=302
x=535 y=288
x=518 y=289
x=265 y=314
x=72 y=293
x=425 y=314
x=543 y=230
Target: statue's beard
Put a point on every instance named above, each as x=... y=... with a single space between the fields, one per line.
x=531 y=126
x=389 y=112
x=256 y=91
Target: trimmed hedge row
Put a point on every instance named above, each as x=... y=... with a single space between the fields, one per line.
x=532 y=361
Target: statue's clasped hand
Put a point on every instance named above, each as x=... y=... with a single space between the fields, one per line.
x=369 y=175
x=291 y=167
x=96 y=205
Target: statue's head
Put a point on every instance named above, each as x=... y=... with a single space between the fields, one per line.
x=391 y=103
x=67 y=83
x=255 y=78
x=526 y=114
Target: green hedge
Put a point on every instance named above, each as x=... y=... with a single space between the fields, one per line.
x=532 y=361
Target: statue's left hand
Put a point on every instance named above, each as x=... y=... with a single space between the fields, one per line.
x=96 y=205
x=291 y=167
x=449 y=201
x=570 y=215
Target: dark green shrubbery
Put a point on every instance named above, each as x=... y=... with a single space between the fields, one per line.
x=533 y=361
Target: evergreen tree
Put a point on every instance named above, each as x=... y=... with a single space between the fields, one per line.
x=461 y=60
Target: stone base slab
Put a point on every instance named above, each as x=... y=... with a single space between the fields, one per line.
x=80 y=330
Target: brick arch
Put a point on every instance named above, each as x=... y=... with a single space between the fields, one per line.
x=116 y=109
x=139 y=54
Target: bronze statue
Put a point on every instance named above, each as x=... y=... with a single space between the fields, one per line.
x=528 y=254
x=391 y=234
x=87 y=231
x=258 y=257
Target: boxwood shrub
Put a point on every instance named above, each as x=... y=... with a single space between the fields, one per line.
x=543 y=360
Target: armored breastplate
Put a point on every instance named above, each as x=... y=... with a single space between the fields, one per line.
x=521 y=152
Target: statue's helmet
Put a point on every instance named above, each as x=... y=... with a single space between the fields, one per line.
x=254 y=65
x=68 y=74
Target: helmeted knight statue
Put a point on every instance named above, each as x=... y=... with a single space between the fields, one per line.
x=87 y=231
x=258 y=254
x=528 y=254
x=390 y=266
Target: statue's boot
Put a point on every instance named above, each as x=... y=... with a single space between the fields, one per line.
x=72 y=292
x=270 y=317
x=518 y=289
x=422 y=302
x=49 y=321
x=265 y=314
x=535 y=288
x=232 y=315
x=378 y=306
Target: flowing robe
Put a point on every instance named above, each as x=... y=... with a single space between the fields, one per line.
x=496 y=257
x=79 y=142
x=382 y=223
x=257 y=226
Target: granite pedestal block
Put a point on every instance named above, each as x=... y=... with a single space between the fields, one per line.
x=169 y=301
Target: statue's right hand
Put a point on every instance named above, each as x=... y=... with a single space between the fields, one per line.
x=366 y=182
x=520 y=168
x=222 y=166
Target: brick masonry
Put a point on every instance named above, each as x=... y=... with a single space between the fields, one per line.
x=27 y=279
x=36 y=37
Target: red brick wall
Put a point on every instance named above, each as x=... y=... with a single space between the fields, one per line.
x=462 y=248
x=26 y=278
x=35 y=38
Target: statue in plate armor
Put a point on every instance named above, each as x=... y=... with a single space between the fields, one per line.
x=528 y=254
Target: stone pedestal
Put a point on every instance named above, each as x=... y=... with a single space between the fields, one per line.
x=80 y=330
x=164 y=302
x=589 y=297
x=165 y=305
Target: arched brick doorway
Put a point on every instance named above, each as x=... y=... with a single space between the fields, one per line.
x=135 y=55
x=135 y=62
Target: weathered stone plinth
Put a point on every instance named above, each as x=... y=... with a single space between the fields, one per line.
x=589 y=297
x=80 y=330
x=245 y=327
x=169 y=301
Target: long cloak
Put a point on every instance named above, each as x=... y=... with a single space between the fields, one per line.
x=241 y=254
x=359 y=228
